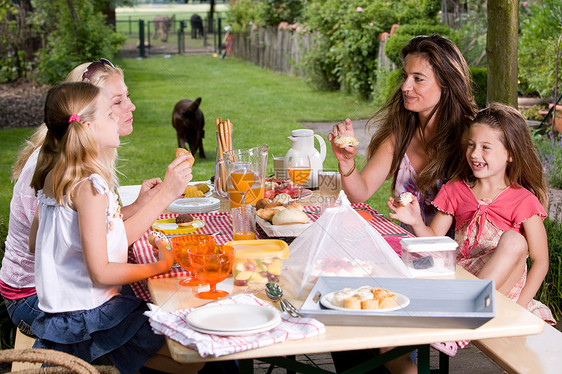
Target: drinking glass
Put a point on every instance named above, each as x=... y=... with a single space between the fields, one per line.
x=298 y=166
x=212 y=267
x=182 y=244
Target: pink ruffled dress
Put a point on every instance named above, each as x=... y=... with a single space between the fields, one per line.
x=480 y=224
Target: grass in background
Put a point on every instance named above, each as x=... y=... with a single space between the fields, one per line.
x=264 y=107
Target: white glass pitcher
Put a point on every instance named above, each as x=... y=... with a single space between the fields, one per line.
x=303 y=142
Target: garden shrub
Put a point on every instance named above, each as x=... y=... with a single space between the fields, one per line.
x=349 y=38
x=72 y=41
x=540 y=29
x=273 y=12
x=386 y=84
x=406 y=32
x=550 y=154
x=550 y=292
x=480 y=79
x=243 y=13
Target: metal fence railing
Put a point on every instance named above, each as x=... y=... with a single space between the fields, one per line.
x=170 y=36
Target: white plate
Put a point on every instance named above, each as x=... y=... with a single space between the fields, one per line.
x=233 y=318
x=194 y=205
x=274 y=323
x=401 y=300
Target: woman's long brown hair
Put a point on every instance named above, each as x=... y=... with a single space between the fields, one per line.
x=452 y=114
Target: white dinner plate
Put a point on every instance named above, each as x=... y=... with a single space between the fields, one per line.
x=401 y=300
x=194 y=205
x=233 y=318
x=274 y=323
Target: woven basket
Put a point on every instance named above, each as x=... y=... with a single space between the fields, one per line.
x=59 y=362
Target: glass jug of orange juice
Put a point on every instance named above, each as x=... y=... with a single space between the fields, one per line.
x=242 y=172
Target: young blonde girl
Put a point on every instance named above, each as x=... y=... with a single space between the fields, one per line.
x=80 y=239
x=497 y=199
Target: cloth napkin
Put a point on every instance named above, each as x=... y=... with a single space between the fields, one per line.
x=174 y=325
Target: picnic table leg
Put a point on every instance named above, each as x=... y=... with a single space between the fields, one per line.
x=246 y=366
x=423 y=359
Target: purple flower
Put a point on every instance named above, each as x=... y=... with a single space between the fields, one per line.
x=371 y=24
x=359 y=9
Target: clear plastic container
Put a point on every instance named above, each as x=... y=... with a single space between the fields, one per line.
x=258 y=261
x=429 y=256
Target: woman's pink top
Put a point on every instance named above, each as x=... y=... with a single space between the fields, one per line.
x=17 y=279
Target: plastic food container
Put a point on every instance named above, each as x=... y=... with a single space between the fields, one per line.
x=258 y=261
x=429 y=256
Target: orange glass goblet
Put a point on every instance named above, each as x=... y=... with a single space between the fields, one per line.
x=180 y=246
x=212 y=268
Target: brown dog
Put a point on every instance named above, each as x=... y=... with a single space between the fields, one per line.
x=189 y=122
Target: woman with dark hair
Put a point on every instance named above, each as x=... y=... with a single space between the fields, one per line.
x=418 y=130
x=417 y=142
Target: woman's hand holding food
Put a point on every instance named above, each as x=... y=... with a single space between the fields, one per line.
x=343 y=140
x=178 y=174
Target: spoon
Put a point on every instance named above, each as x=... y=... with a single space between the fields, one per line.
x=275 y=293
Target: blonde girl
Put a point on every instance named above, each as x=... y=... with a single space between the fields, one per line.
x=497 y=199
x=80 y=240
x=17 y=280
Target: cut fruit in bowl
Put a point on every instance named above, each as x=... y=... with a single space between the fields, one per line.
x=258 y=261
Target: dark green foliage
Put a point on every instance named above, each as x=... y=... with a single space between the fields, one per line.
x=277 y=11
x=541 y=26
x=77 y=34
x=550 y=292
x=406 y=32
x=480 y=89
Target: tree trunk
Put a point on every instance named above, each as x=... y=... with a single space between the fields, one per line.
x=501 y=49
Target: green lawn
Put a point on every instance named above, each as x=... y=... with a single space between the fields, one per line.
x=263 y=106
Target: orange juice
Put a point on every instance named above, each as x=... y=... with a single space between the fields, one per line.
x=244 y=235
x=242 y=180
x=299 y=175
x=252 y=196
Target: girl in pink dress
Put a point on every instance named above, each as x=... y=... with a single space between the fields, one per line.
x=497 y=200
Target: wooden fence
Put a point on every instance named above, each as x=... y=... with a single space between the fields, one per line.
x=277 y=50
x=283 y=50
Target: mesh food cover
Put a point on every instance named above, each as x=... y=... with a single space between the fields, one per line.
x=341 y=243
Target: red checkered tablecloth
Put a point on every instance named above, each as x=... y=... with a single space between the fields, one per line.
x=141 y=251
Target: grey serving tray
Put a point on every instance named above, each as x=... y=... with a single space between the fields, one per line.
x=443 y=303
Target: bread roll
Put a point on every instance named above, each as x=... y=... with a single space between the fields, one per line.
x=346 y=140
x=267 y=213
x=283 y=198
x=295 y=206
x=405 y=198
x=262 y=203
x=353 y=302
x=388 y=302
x=182 y=151
x=289 y=217
x=156 y=234
x=370 y=304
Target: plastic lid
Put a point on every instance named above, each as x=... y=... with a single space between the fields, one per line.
x=302 y=132
x=260 y=248
x=429 y=244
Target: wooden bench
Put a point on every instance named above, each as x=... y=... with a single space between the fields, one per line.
x=533 y=354
x=24 y=342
